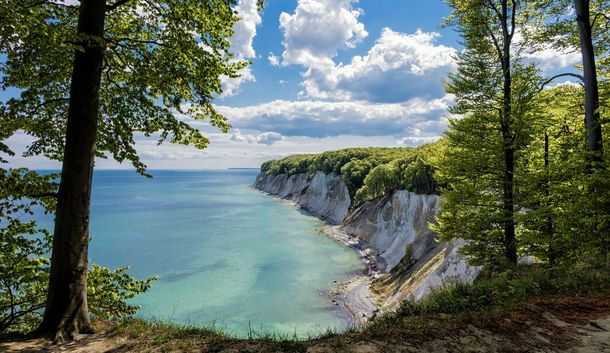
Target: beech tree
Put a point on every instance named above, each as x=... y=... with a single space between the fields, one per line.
x=89 y=76
x=494 y=93
x=593 y=126
x=585 y=30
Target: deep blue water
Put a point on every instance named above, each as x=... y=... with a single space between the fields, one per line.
x=226 y=255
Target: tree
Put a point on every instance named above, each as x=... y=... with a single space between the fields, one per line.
x=568 y=213
x=131 y=68
x=587 y=32
x=595 y=144
x=494 y=93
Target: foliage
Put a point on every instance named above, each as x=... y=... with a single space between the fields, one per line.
x=367 y=172
x=413 y=173
x=163 y=65
x=24 y=266
x=500 y=290
x=23 y=246
x=109 y=290
x=554 y=25
x=568 y=209
x=480 y=166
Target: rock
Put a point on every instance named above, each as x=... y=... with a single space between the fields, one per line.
x=395 y=226
x=324 y=196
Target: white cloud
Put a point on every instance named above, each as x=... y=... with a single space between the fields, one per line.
x=241 y=45
x=317 y=29
x=552 y=58
x=269 y=138
x=546 y=55
x=413 y=141
x=274 y=60
x=324 y=118
x=231 y=86
x=237 y=136
x=266 y=138
x=397 y=68
x=245 y=29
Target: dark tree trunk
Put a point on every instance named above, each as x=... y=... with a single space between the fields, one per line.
x=595 y=145
x=66 y=312
x=510 y=243
x=546 y=191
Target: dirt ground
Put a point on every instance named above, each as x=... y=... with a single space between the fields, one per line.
x=576 y=325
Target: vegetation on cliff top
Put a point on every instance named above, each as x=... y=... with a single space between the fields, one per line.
x=368 y=173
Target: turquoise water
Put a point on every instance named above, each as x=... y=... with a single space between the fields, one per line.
x=226 y=255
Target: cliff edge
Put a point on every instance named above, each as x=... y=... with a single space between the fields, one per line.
x=410 y=261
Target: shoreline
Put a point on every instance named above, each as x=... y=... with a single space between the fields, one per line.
x=352 y=296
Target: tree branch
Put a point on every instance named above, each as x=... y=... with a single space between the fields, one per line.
x=493 y=7
x=40 y=196
x=513 y=19
x=47 y=2
x=598 y=15
x=141 y=41
x=495 y=41
x=582 y=79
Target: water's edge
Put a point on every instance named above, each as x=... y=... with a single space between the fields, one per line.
x=353 y=296
x=403 y=256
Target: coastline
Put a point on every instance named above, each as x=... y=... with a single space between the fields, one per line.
x=352 y=296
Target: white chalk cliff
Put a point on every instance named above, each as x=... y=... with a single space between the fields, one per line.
x=411 y=259
x=324 y=196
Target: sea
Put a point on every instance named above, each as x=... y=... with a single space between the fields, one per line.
x=228 y=257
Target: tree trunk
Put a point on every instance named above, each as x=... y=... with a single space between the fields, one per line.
x=548 y=227
x=66 y=311
x=510 y=245
x=595 y=145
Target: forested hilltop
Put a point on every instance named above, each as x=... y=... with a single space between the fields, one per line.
x=367 y=172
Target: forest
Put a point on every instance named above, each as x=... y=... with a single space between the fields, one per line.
x=523 y=169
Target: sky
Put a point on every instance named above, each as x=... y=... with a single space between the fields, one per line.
x=326 y=74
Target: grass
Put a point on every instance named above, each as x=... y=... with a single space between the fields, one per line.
x=492 y=295
x=496 y=302
x=166 y=334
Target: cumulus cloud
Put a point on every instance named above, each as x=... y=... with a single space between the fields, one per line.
x=266 y=138
x=552 y=58
x=317 y=29
x=245 y=28
x=231 y=85
x=241 y=45
x=324 y=118
x=546 y=55
x=269 y=138
x=274 y=60
x=397 y=68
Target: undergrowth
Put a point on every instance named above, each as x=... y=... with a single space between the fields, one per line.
x=493 y=291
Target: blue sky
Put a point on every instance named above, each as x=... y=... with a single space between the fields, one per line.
x=326 y=74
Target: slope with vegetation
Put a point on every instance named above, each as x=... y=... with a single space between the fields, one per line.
x=368 y=173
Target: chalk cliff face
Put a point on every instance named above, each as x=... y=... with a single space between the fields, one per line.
x=411 y=260
x=324 y=196
x=396 y=225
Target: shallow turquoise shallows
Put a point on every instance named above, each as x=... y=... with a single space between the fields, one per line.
x=226 y=255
